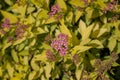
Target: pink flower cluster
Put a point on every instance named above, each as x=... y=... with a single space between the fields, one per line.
x=54 y=9
x=20 y=30
x=6 y=23
x=60 y=44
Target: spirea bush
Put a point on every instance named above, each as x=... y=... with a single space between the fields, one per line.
x=59 y=40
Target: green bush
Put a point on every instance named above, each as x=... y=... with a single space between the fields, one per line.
x=59 y=40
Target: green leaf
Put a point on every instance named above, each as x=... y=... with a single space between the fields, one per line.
x=9 y=16
x=32 y=75
x=75 y=40
x=14 y=56
x=64 y=29
x=112 y=43
x=62 y=4
x=103 y=18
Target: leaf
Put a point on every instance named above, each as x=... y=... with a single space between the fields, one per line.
x=77 y=3
x=79 y=71
x=84 y=42
x=118 y=47
x=43 y=14
x=78 y=14
x=41 y=57
x=21 y=46
x=101 y=32
x=10 y=70
x=79 y=48
x=14 y=56
x=112 y=43
x=30 y=19
x=48 y=70
x=9 y=16
x=85 y=31
x=96 y=44
x=34 y=65
x=64 y=29
x=103 y=19
x=24 y=53
x=82 y=27
x=5 y=46
x=19 y=41
x=1 y=72
x=62 y=4
x=69 y=17
x=75 y=40
x=30 y=10
x=50 y=20
x=32 y=75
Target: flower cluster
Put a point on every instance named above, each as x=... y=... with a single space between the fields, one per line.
x=20 y=30
x=6 y=23
x=60 y=44
x=54 y=9
x=50 y=56
x=110 y=6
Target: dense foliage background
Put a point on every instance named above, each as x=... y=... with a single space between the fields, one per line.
x=59 y=40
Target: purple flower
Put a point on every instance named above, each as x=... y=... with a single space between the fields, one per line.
x=50 y=56
x=6 y=23
x=54 y=9
x=60 y=44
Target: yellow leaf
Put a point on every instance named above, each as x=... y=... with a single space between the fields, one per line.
x=34 y=65
x=32 y=75
x=78 y=14
x=64 y=29
x=62 y=4
x=79 y=48
x=15 y=56
x=1 y=72
x=48 y=70
x=50 y=20
x=82 y=27
x=77 y=3
x=9 y=16
x=10 y=70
